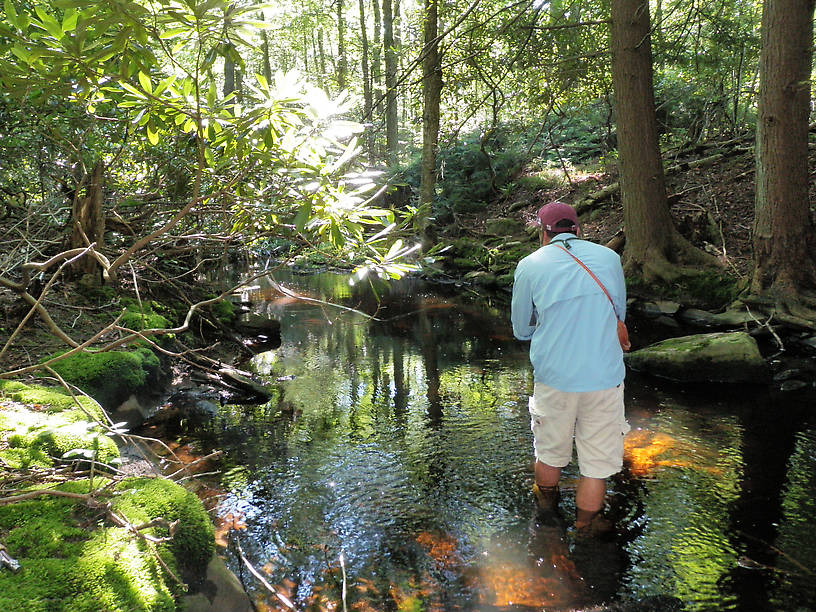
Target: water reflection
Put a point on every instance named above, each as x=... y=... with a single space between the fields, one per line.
x=402 y=443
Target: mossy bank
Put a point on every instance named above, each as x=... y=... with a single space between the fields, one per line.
x=73 y=551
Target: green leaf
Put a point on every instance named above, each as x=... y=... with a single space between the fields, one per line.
x=351 y=151
x=164 y=84
x=86 y=453
x=263 y=83
x=144 y=80
x=11 y=13
x=303 y=217
x=22 y=53
x=48 y=23
x=336 y=236
x=395 y=247
x=69 y=20
x=173 y=32
x=132 y=90
x=152 y=134
x=140 y=33
x=200 y=9
x=138 y=118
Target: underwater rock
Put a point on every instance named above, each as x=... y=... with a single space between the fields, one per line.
x=261 y=333
x=792 y=385
x=220 y=591
x=695 y=316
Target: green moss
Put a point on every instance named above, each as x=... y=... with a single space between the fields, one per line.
x=30 y=438
x=112 y=376
x=51 y=399
x=67 y=567
x=143 y=318
x=224 y=311
x=710 y=288
x=193 y=544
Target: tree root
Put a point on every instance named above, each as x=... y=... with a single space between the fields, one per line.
x=794 y=310
x=679 y=260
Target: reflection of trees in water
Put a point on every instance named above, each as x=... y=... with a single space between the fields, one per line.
x=423 y=412
x=757 y=514
x=686 y=468
x=795 y=543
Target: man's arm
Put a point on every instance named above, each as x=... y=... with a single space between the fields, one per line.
x=522 y=309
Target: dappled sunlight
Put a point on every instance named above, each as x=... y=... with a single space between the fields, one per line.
x=506 y=583
x=644 y=451
x=224 y=525
x=441 y=548
x=541 y=577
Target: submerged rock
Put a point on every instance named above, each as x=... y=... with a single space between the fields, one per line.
x=716 y=357
x=220 y=591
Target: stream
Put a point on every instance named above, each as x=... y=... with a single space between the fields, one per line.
x=392 y=470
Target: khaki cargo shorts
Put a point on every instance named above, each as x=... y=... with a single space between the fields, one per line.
x=594 y=419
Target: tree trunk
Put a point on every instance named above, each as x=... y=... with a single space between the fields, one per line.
x=267 y=63
x=367 y=96
x=88 y=220
x=653 y=245
x=783 y=230
x=377 y=72
x=431 y=94
x=321 y=78
x=342 y=61
x=376 y=51
x=391 y=128
x=239 y=86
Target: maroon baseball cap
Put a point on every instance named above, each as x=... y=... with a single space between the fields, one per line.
x=550 y=214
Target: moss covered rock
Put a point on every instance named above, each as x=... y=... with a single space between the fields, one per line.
x=194 y=542
x=111 y=377
x=224 y=311
x=39 y=425
x=143 y=317
x=73 y=559
x=51 y=399
x=716 y=357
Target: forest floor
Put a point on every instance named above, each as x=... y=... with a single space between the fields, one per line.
x=712 y=205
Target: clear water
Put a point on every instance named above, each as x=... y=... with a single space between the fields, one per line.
x=394 y=464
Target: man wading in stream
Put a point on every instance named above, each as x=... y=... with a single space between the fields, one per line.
x=577 y=361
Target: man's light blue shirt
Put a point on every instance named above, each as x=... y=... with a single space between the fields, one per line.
x=566 y=316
